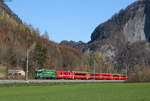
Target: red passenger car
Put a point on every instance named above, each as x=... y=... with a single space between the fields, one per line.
x=64 y=75
x=85 y=75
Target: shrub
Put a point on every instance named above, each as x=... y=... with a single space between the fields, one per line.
x=140 y=76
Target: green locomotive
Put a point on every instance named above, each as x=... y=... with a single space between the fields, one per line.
x=45 y=74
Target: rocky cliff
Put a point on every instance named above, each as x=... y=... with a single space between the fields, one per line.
x=126 y=31
x=132 y=23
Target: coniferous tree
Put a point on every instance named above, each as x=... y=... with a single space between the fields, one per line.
x=40 y=55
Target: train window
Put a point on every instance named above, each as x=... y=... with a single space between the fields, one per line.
x=39 y=71
x=115 y=75
x=94 y=75
x=124 y=76
x=106 y=75
x=66 y=73
x=80 y=74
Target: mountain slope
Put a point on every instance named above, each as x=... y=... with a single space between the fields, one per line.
x=7 y=11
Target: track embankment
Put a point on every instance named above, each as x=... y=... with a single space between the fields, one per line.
x=58 y=81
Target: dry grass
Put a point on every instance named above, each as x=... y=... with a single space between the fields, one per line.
x=2 y=71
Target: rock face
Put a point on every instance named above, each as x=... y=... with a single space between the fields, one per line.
x=133 y=30
x=132 y=23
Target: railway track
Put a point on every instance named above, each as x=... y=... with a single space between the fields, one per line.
x=58 y=81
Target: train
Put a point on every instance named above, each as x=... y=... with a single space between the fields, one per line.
x=73 y=75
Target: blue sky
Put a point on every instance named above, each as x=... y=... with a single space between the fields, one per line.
x=67 y=19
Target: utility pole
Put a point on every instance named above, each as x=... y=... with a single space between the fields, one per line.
x=94 y=69
x=27 y=65
x=127 y=70
x=29 y=49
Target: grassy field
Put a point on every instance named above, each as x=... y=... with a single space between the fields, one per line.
x=78 y=92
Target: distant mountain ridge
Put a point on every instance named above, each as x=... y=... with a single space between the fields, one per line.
x=77 y=45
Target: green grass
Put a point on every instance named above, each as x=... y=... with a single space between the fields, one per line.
x=77 y=92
